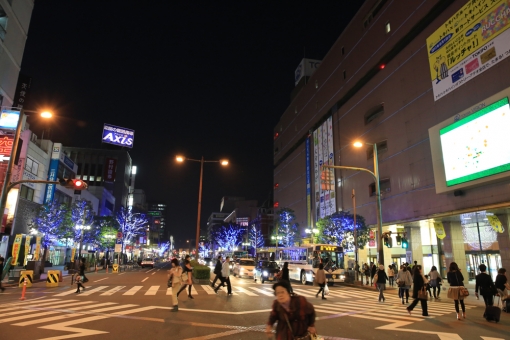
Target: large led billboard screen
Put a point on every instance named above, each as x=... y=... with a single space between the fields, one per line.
x=477 y=146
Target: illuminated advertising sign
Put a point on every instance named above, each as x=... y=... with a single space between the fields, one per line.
x=477 y=146
x=109 y=171
x=118 y=135
x=9 y=119
x=470 y=42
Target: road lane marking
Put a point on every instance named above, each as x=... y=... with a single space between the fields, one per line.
x=208 y=289
x=122 y=274
x=153 y=273
x=145 y=279
x=112 y=291
x=246 y=291
x=106 y=278
x=261 y=291
x=91 y=291
x=152 y=290
x=133 y=290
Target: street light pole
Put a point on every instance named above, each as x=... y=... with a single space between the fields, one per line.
x=202 y=161
x=197 y=255
x=375 y=174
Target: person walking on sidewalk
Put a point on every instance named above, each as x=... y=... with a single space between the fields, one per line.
x=217 y=271
x=381 y=282
x=225 y=277
x=189 y=271
x=366 y=272
x=391 y=274
x=456 y=281
x=1 y=272
x=486 y=285
x=373 y=269
x=419 y=282
x=320 y=278
x=404 y=280
x=174 y=277
x=434 y=282
x=82 y=270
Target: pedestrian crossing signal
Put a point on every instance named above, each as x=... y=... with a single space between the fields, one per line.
x=388 y=242
x=404 y=243
x=71 y=183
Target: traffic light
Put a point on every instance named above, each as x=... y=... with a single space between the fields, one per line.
x=388 y=242
x=71 y=183
x=404 y=243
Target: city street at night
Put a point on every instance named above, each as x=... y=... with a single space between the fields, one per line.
x=136 y=305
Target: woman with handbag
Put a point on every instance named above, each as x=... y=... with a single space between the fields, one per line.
x=295 y=315
x=174 y=277
x=404 y=281
x=419 y=291
x=433 y=275
x=457 y=290
x=320 y=278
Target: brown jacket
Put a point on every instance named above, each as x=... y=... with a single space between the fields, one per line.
x=301 y=315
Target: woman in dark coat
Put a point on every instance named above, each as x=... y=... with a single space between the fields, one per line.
x=418 y=283
x=285 y=275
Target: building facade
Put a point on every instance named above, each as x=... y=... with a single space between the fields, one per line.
x=407 y=78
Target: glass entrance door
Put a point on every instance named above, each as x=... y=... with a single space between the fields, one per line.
x=492 y=261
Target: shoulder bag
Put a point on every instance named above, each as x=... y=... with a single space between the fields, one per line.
x=184 y=276
x=462 y=290
x=422 y=294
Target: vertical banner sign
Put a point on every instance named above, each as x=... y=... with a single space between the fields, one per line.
x=37 y=248
x=73 y=253
x=325 y=200
x=110 y=169
x=15 y=248
x=52 y=173
x=28 y=238
x=22 y=91
x=308 y=183
x=495 y=223
x=469 y=43
x=439 y=228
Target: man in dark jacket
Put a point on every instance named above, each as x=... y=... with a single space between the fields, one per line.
x=373 y=270
x=217 y=271
x=486 y=285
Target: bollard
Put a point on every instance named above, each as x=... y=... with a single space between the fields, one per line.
x=24 y=289
x=26 y=276
x=52 y=279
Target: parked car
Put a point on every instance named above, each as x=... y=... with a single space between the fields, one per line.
x=244 y=267
x=148 y=262
x=266 y=271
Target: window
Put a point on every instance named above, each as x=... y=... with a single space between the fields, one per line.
x=373 y=12
x=3 y=23
x=383 y=183
x=387 y=27
x=381 y=147
x=31 y=166
x=27 y=193
x=374 y=113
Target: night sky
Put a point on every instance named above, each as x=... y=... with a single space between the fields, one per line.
x=197 y=78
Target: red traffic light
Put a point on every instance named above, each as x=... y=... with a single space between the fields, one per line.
x=76 y=184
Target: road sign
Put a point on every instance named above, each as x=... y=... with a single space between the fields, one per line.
x=119 y=234
x=118 y=241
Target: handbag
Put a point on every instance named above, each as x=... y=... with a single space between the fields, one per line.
x=422 y=294
x=169 y=283
x=326 y=289
x=463 y=291
x=308 y=335
x=184 y=277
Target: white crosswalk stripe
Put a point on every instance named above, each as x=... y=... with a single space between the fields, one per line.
x=152 y=290
x=112 y=291
x=133 y=290
x=92 y=291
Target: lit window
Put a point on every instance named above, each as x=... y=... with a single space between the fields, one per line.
x=387 y=27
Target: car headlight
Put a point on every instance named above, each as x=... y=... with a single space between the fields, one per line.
x=265 y=273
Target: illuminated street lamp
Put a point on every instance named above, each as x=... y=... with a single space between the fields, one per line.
x=11 y=113
x=277 y=239
x=375 y=174
x=181 y=159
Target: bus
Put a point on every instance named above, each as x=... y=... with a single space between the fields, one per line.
x=304 y=261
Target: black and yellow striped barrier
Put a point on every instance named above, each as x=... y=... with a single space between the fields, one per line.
x=27 y=275
x=115 y=268
x=53 y=278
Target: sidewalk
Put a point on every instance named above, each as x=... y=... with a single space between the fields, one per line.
x=470 y=300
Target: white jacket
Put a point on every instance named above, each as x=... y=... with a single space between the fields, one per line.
x=225 y=269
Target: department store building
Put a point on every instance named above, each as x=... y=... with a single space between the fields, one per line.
x=428 y=83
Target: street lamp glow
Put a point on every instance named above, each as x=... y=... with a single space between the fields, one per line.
x=357 y=144
x=224 y=162
x=179 y=159
x=46 y=114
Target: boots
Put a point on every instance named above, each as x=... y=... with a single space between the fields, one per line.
x=402 y=300
x=175 y=309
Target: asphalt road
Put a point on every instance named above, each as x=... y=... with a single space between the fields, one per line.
x=136 y=305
